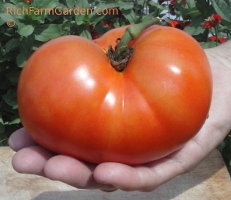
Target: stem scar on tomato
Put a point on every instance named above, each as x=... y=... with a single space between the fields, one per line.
x=120 y=56
x=124 y=57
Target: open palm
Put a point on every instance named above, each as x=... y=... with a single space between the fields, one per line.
x=34 y=159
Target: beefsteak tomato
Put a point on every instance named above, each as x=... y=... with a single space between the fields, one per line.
x=73 y=102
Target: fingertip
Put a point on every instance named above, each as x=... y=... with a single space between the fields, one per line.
x=73 y=172
x=105 y=172
x=120 y=176
x=20 y=139
x=31 y=160
x=68 y=170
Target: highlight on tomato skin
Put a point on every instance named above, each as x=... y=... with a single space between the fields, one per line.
x=82 y=107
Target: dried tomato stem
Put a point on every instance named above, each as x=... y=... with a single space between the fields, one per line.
x=121 y=55
x=131 y=33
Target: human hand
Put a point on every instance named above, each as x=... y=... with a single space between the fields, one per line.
x=32 y=158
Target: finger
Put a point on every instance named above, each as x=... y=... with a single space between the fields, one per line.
x=31 y=160
x=150 y=176
x=20 y=139
x=140 y=178
x=73 y=172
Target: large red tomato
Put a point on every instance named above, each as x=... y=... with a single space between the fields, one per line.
x=73 y=102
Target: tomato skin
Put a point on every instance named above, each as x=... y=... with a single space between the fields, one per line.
x=73 y=102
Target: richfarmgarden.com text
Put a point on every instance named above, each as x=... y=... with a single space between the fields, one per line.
x=60 y=11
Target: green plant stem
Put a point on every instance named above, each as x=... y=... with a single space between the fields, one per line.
x=131 y=33
x=216 y=34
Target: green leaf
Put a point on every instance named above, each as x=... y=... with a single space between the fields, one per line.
x=130 y=16
x=190 y=3
x=1 y=120
x=82 y=4
x=126 y=5
x=19 y=4
x=207 y=45
x=204 y=7
x=2 y=127
x=107 y=4
x=1 y=22
x=84 y=31
x=11 y=44
x=10 y=98
x=95 y=19
x=182 y=11
x=66 y=26
x=222 y=7
x=14 y=10
x=26 y=30
x=13 y=76
x=147 y=17
x=70 y=3
x=193 y=12
x=226 y=23
x=15 y=121
x=83 y=11
x=6 y=16
x=21 y=59
x=47 y=32
x=81 y=19
x=15 y=107
x=45 y=3
x=195 y=27
x=152 y=3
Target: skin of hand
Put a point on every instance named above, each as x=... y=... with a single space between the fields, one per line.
x=33 y=159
